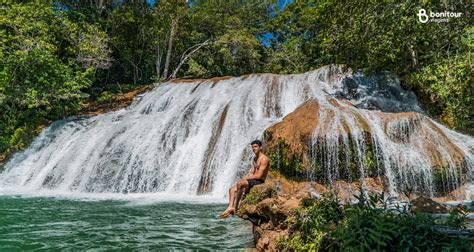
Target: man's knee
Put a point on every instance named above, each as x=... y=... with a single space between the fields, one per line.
x=242 y=184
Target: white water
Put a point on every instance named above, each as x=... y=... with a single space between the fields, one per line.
x=181 y=138
x=406 y=148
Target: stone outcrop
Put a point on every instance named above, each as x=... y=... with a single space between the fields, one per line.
x=268 y=215
x=295 y=130
x=269 y=205
x=427 y=205
x=334 y=141
x=119 y=101
x=292 y=181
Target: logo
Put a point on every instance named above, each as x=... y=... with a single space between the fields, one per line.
x=437 y=17
x=422 y=16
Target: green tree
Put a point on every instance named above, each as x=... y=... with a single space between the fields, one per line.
x=431 y=58
x=235 y=29
x=47 y=61
x=294 y=46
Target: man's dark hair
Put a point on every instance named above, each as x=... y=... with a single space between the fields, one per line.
x=258 y=142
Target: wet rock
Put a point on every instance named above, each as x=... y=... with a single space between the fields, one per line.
x=289 y=139
x=269 y=206
x=427 y=205
x=93 y=108
x=327 y=140
x=462 y=208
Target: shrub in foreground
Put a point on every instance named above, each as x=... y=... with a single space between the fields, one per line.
x=370 y=225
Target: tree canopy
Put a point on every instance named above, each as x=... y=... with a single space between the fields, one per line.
x=54 y=54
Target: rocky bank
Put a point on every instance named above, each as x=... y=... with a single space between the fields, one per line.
x=293 y=179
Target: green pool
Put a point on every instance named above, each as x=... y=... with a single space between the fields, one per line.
x=47 y=223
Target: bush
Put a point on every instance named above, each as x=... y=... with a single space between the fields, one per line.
x=370 y=225
x=446 y=89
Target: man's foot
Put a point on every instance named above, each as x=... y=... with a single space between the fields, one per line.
x=227 y=213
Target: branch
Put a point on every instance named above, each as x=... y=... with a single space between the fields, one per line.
x=187 y=54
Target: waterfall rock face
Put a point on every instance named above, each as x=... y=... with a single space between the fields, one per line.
x=333 y=140
x=192 y=136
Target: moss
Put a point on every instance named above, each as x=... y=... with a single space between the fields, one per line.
x=444 y=181
x=348 y=167
x=20 y=138
x=371 y=161
x=348 y=160
x=259 y=193
x=106 y=97
x=289 y=164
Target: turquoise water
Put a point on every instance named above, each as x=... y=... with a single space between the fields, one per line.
x=46 y=223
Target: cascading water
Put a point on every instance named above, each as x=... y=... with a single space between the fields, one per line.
x=412 y=151
x=193 y=136
x=409 y=149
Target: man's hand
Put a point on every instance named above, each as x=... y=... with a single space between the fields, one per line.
x=251 y=172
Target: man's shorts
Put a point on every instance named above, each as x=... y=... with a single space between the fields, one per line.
x=254 y=182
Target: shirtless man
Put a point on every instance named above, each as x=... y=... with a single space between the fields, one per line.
x=256 y=176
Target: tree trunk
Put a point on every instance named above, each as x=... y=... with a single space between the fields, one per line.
x=170 y=48
x=158 y=61
x=101 y=5
x=187 y=54
x=414 y=58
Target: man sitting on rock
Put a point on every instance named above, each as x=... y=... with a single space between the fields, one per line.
x=256 y=176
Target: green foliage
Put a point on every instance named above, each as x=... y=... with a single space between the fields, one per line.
x=47 y=61
x=105 y=96
x=131 y=43
x=38 y=80
x=239 y=52
x=257 y=194
x=19 y=137
x=312 y=223
x=386 y=35
x=457 y=218
x=54 y=53
x=285 y=162
x=295 y=46
x=370 y=225
x=235 y=28
x=448 y=88
x=431 y=58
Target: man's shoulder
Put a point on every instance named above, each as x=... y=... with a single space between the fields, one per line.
x=264 y=157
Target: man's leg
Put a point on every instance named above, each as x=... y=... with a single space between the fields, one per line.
x=232 y=192
x=242 y=186
x=231 y=208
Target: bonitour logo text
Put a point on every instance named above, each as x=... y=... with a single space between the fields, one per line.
x=438 y=17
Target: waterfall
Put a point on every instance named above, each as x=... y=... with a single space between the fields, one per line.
x=193 y=137
x=411 y=151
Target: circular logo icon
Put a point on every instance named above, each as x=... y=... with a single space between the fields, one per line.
x=422 y=16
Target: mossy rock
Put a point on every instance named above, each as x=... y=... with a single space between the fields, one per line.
x=259 y=193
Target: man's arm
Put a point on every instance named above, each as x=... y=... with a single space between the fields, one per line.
x=251 y=172
x=261 y=169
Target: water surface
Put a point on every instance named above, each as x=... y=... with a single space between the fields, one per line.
x=53 y=223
